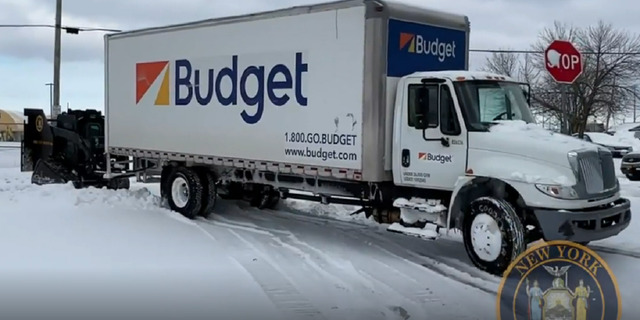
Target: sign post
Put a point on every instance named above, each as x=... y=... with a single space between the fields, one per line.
x=564 y=63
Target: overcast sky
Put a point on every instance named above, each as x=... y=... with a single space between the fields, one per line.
x=26 y=54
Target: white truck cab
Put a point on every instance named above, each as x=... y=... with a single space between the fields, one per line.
x=472 y=133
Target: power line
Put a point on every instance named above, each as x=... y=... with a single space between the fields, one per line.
x=632 y=53
x=75 y=30
x=67 y=28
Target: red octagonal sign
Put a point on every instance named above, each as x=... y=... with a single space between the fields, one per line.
x=563 y=61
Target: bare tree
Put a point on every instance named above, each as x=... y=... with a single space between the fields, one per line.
x=504 y=63
x=601 y=92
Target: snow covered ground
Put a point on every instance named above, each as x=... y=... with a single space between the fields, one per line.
x=117 y=253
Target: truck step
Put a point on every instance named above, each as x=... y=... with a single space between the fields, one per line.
x=419 y=204
x=414 y=232
x=417 y=212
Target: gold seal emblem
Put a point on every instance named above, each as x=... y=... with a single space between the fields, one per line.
x=559 y=280
x=39 y=123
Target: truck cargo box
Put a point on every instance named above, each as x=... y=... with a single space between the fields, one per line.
x=309 y=87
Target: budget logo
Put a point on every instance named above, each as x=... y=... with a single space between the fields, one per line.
x=558 y=280
x=408 y=40
x=241 y=83
x=147 y=73
x=417 y=44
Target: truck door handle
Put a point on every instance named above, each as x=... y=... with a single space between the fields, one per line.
x=406 y=158
x=443 y=140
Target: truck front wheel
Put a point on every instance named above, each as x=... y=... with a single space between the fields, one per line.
x=493 y=234
x=184 y=192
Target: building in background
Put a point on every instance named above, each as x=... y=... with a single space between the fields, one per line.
x=11 y=125
x=595 y=127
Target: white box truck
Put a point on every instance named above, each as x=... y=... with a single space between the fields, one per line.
x=361 y=102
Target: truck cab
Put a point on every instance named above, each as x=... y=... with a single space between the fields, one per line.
x=511 y=182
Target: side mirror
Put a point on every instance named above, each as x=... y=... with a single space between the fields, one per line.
x=422 y=109
x=527 y=95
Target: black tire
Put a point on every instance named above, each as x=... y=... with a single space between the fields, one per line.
x=257 y=196
x=209 y=191
x=167 y=171
x=119 y=183
x=265 y=197
x=510 y=226
x=633 y=176
x=193 y=205
x=274 y=200
x=235 y=191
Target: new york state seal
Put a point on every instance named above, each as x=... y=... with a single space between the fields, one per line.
x=559 y=280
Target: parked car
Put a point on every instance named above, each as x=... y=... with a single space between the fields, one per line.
x=633 y=127
x=618 y=149
x=630 y=166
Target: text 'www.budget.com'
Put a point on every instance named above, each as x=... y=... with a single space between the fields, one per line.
x=324 y=155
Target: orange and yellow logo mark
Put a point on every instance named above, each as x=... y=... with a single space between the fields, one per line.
x=146 y=75
x=408 y=39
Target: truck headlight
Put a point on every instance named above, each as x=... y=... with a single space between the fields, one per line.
x=557 y=191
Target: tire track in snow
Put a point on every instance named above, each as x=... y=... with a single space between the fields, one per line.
x=360 y=294
x=403 y=277
x=365 y=278
x=451 y=268
x=368 y=283
x=409 y=260
x=441 y=266
x=274 y=282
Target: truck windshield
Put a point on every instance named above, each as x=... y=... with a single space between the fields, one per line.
x=485 y=102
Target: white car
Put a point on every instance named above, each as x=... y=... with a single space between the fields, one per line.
x=618 y=148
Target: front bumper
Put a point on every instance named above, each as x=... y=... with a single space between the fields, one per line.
x=584 y=225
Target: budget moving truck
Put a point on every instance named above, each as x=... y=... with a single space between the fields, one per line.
x=355 y=102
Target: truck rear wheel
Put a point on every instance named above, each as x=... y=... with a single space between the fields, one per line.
x=209 y=191
x=234 y=191
x=184 y=192
x=493 y=234
x=265 y=197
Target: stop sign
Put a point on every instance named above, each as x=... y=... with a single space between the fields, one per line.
x=563 y=61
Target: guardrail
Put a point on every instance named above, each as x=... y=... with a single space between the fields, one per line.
x=10 y=144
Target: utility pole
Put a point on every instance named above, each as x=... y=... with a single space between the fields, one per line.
x=55 y=106
x=635 y=106
x=50 y=85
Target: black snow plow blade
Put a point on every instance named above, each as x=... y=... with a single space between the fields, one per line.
x=46 y=172
x=50 y=172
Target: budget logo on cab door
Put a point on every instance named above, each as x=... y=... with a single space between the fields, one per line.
x=559 y=280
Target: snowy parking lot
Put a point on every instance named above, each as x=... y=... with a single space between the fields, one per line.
x=120 y=248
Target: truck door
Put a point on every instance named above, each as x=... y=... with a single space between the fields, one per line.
x=433 y=143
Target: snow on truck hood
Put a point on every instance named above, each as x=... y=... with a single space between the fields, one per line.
x=532 y=141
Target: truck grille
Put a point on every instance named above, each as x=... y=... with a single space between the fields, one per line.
x=597 y=171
